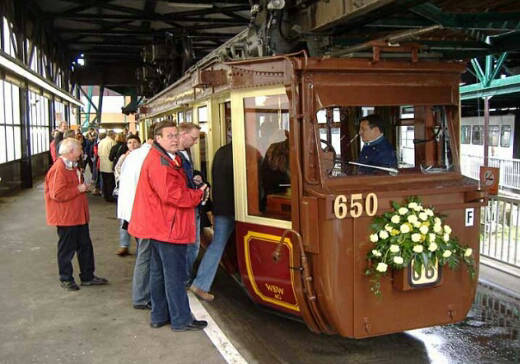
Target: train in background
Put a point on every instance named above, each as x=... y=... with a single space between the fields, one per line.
x=504 y=143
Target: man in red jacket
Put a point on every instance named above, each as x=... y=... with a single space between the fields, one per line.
x=67 y=209
x=164 y=212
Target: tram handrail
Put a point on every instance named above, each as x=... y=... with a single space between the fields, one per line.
x=306 y=278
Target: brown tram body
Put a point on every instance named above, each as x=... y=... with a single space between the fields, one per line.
x=320 y=276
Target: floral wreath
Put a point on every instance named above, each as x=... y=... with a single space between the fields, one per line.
x=412 y=232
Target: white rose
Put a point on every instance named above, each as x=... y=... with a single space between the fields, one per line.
x=402 y=211
x=383 y=234
x=412 y=205
x=404 y=229
x=395 y=219
x=416 y=238
x=447 y=254
x=376 y=253
x=394 y=248
x=418 y=208
x=398 y=260
x=418 y=248
x=423 y=229
x=468 y=252
x=432 y=237
x=437 y=228
x=437 y=221
x=423 y=216
x=447 y=229
x=412 y=219
x=428 y=212
x=388 y=228
x=374 y=238
x=381 y=267
x=432 y=247
x=446 y=237
x=417 y=224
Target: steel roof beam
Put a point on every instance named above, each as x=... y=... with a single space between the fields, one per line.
x=496 y=87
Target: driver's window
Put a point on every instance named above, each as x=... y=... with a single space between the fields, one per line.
x=382 y=140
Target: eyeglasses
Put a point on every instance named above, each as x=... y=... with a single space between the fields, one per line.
x=171 y=136
x=193 y=139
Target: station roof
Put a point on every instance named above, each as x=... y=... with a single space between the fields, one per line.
x=113 y=33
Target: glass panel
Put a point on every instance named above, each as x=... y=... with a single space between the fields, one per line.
x=2 y=102
x=3 y=145
x=17 y=143
x=505 y=140
x=8 y=103
x=493 y=135
x=465 y=134
x=203 y=114
x=189 y=118
x=15 y=90
x=267 y=156
x=180 y=117
x=380 y=140
x=10 y=143
x=477 y=136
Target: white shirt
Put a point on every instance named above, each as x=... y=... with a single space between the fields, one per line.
x=128 y=180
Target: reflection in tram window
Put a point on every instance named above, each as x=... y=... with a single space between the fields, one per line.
x=419 y=134
x=267 y=156
x=477 y=138
x=203 y=141
x=465 y=134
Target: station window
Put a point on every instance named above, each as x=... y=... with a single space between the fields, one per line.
x=267 y=156
x=10 y=128
x=505 y=138
x=493 y=135
x=477 y=136
x=465 y=134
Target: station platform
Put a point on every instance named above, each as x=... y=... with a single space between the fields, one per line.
x=42 y=323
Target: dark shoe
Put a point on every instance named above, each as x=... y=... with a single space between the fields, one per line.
x=159 y=324
x=148 y=306
x=122 y=252
x=205 y=296
x=96 y=192
x=194 y=326
x=69 y=286
x=97 y=281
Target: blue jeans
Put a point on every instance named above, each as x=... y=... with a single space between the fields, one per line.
x=125 y=239
x=193 y=249
x=167 y=290
x=223 y=226
x=141 y=281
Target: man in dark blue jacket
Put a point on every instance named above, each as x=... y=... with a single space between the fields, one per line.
x=377 y=151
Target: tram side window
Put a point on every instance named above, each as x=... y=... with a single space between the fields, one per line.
x=477 y=138
x=465 y=134
x=493 y=134
x=203 y=141
x=267 y=156
x=505 y=138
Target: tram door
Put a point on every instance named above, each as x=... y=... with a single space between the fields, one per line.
x=263 y=195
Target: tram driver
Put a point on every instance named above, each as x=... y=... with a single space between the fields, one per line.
x=377 y=151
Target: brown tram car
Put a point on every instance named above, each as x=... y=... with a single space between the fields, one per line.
x=319 y=275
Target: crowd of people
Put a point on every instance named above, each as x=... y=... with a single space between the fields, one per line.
x=159 y=195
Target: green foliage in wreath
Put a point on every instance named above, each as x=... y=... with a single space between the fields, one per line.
x=412 y=232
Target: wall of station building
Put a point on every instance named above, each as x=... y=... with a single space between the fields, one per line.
x=27 y=118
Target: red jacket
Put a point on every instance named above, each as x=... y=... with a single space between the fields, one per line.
x=52 y=148
x=164 y=207
x=64 y=204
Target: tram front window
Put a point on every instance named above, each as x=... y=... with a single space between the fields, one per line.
x=267 y=156
x=382 y=140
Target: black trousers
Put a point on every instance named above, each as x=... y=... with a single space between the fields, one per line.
x=109 y=182
x=74 y=239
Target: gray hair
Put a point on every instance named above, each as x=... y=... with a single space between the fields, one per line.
x=68 y=145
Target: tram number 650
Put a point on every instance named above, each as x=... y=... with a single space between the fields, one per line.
x=342 y=209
